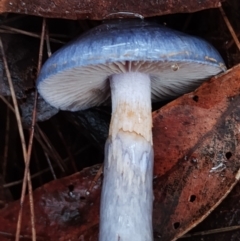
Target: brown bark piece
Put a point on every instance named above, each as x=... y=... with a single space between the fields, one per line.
x=197 y=161
x=100 y=9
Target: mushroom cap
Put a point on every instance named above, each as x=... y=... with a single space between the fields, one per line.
x=76 y=76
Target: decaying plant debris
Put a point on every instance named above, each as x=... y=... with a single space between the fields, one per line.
x=97 y=9
x=68 y=142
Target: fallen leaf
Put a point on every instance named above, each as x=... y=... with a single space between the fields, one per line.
x=197 y=156
x=98 y=10
x=64 y=210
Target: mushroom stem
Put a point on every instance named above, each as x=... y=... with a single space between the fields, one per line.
x=127 y=196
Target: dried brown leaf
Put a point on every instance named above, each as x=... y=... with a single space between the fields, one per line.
x=97 y=9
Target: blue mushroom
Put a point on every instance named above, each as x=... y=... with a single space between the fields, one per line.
x=135 y=62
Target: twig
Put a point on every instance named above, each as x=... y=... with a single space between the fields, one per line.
x=94 y=181
x=17 y=113
x=16 y=109
x=212 y=231
x=6 y=147
x=52 y=149
x=50 y=166
x=7 y=31
x=27 y=162
x=11 y=184
x=34 y=35
x=10 y=235
x=230 y=28
x=37 y=163
x=70 y=155
x=231 y=42
x=47 y=149
x=7 y=103
x=48 y=43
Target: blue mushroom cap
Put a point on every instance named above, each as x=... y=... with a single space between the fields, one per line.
x=76 y=76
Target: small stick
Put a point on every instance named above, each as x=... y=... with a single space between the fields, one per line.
x=230 y=28
x=6 y=31
x=37 y=162
x=7 y=185
x=34 y=35
x=48 y=43
x=16 y=109
x=231 y=42
x=52 y=149
x=48 y=150
x=27 y=162
x=72 y=161
x=10 y=235
x=50 y=166
x=7 y=103
x=17 y=113
x=6 y=143
x=212 y=231
x=99 y=173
